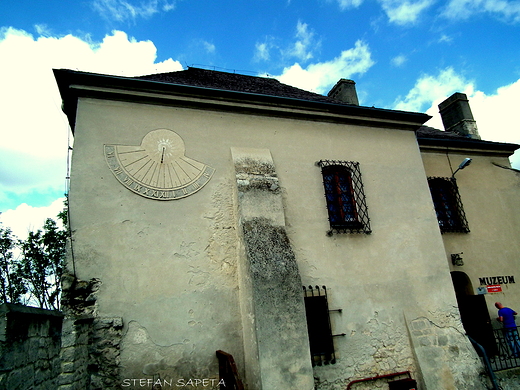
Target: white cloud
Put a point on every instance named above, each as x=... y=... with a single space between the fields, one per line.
x=262 y=52
x=404 y=12
x=429 y=88
x=305 y=43
x=346 y=4
x=210 y=47
x=399 y=60
x=319 y=77
x=495 y=114
x=401 y=12
x=463 y=9
x=121 y=10
x=26 y=218
x=302 y=48
x=33 y=129
x=445 y=39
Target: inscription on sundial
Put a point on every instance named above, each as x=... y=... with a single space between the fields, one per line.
x=157 y=168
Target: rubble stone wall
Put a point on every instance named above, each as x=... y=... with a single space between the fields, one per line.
x=90 y=354
x=30 y=342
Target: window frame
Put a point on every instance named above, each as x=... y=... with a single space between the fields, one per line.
x=345 y=198
x=448 y=205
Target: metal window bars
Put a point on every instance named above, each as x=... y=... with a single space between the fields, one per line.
x=345 y=197
x=448 y=205
x=319 y=326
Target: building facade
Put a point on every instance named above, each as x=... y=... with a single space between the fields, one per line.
x=296 y=232
x=481 y=236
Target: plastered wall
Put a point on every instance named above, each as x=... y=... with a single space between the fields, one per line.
x=170 y=268
x=489 y=194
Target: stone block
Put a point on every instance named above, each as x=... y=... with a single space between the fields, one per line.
x=425 y=341
x=69 y=386
x=68 y=339
x=419 y=325
x=67 y=367
x=66 y=378
x=42 y=364
x=82 y=338
x=43 y=354
x=41 y=376
x=21 y=378
x=68 y=354
x=442 y=340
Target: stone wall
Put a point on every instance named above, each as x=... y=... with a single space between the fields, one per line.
x=30 y=342
x=509 y=379
x=90 y=354
x=441 y=337
x=275 y=314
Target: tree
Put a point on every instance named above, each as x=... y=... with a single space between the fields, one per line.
x=42 y=262
x=12 y=284
x=31 y=269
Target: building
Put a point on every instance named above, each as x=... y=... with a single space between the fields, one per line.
x=295 y=232
x=480 y=232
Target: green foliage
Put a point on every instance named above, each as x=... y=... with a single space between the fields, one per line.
x=35 y=274
x=11 y=281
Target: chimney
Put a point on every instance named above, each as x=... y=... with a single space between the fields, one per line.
x=457 y=117
x=344 y=91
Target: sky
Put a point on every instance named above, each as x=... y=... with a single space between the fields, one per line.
x=403 y=54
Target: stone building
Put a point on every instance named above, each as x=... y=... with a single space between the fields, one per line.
x=296 y=232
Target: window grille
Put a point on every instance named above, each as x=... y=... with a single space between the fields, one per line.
x=318 y=325
x=346 y=203
x=448 y=205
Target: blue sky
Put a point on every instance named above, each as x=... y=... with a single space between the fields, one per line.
x=406 y=55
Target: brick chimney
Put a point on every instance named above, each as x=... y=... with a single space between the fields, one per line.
x=344 y=91
x=457 y=117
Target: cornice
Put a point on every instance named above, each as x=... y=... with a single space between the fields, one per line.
x=74 y=85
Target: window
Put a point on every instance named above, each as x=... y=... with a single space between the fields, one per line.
x=318 y=325
x=345 y=198
x=448 y=206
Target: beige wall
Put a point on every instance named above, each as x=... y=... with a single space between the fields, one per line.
x=169 y=268
x=490 y=199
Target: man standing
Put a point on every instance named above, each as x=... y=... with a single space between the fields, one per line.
x=507 y=317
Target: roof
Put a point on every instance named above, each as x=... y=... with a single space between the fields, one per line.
x=429 y=136
x=236 y=82
x=262 y=91
x=214 y=90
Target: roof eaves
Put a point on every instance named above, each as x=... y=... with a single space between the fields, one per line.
x=467 y=143
x=67 y=79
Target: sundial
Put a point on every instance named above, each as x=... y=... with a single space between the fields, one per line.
x=157 y=168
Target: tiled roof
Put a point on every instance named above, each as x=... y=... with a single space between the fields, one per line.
x=431 y=132
x=236 y=82
x=430 y=136
x=225 y=81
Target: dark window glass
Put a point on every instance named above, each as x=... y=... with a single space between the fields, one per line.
x=340 y=197
x=318 y=325
x=344 y=195
x=448 y=205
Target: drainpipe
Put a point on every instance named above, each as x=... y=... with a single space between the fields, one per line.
x=487 y=363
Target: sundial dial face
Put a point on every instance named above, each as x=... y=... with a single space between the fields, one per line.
x=158 y=168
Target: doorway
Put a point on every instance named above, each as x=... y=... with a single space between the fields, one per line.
x=474 y=313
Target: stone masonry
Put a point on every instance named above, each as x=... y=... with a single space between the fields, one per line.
x=90 y=355
x=30 y=342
